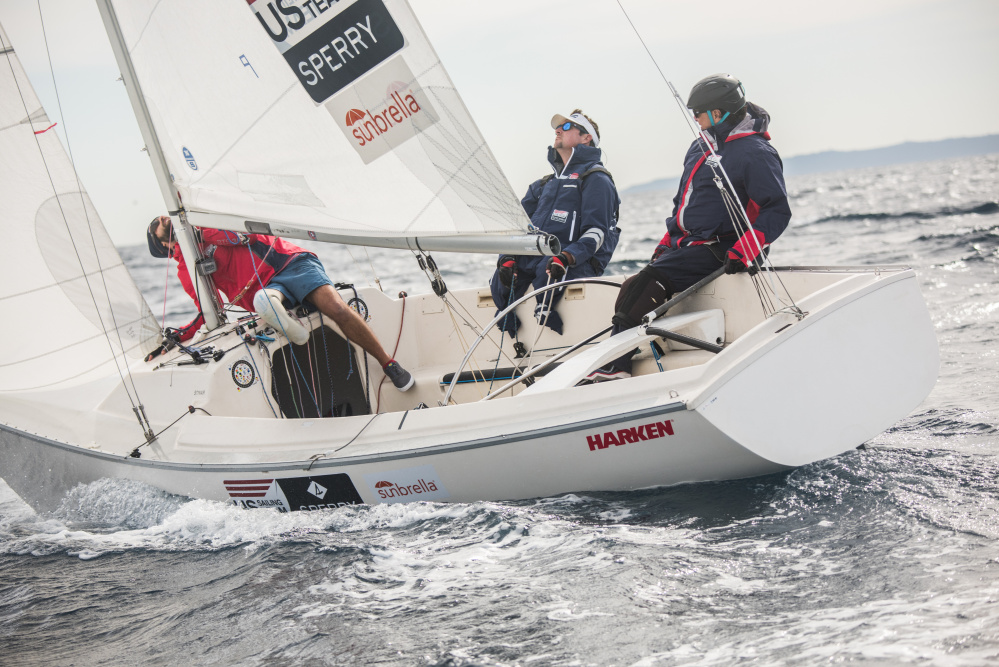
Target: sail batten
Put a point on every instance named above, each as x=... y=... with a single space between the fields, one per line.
x=339 y=123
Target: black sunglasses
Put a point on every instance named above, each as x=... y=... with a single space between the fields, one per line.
x=568 y=125
x=696 y=112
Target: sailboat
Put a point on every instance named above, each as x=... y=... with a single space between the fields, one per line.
x=336 y=121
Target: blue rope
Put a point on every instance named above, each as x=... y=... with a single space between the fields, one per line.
x=262 y=387
x=293 y=357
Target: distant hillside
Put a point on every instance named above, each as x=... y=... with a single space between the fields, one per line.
x=913 y=151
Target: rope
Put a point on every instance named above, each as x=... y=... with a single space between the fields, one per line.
x=264 y=389
x=134 y=454
x=378 y=397
x=329 y=371
x=294 y=358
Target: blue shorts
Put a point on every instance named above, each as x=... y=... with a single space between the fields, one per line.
x=299 y=278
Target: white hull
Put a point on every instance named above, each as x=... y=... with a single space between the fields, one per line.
x=783 y=393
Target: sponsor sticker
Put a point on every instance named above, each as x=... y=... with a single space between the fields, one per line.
x=559 y=216
x=385 y=110
x=359 y=307
x=189 y=158
x=294 y=494
x=407 y=485
x=243 y=374
x=327 y=43
x=573 y=175
x=626 y=436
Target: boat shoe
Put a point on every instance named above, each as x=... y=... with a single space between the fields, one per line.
x=401 y=378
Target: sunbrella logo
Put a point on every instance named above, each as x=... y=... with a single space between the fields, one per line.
x=367 y=125
x=407 y=485
x=383 y=111
x=393 y=490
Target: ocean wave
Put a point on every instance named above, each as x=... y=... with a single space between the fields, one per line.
x=987 y=208
x=946 y=423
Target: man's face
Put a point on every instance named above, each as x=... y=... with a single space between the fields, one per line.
x=704 y=118
x=568 y=138
x=164 y=230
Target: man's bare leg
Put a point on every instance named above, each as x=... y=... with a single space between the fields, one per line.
x=330 y=304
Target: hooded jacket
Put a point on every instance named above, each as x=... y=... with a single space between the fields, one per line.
x=244 y=265
x=582 y=213
x=757 y=174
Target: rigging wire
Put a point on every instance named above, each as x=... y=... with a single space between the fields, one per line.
x=86 y=213
x=136 y=408
x=737 y=214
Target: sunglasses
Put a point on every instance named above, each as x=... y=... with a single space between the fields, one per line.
x=697 y=112
x=569 y=125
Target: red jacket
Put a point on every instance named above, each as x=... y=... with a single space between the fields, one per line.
x=244 y=264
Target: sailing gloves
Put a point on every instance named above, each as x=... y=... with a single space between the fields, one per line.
x=170 y=339
x=506 y=268
x=745 y=250
x=558 y=265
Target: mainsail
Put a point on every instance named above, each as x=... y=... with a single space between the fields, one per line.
x=71 y=307
x=313 y=118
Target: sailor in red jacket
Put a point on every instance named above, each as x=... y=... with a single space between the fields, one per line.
x=261 y=273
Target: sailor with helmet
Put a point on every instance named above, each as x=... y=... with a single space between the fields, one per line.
x=700 y=234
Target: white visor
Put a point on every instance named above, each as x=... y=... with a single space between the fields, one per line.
x=578 y=119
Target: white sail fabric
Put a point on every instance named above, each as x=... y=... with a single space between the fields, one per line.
x=70 y=307
x=322 y=116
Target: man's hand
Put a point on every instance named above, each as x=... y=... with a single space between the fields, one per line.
x=558 y=265
x=157 y=352
x=734 y=263
x=744 y=252
x=506 y=268
x=660 y=249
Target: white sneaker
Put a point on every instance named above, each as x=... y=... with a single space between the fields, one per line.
x=268 y=304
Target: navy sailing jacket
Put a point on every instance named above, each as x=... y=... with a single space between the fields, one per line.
x=756 y=172
x=582 y=214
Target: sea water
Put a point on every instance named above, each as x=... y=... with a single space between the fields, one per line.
x=887 y=555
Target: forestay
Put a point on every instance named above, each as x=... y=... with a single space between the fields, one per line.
x=314 y=117
x=70 y=306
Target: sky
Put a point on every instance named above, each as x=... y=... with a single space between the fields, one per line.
x=844 y=75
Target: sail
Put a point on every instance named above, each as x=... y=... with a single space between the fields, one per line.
x=317 y=117
x=70 y=307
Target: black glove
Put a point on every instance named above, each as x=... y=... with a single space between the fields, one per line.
x=734 y=263
x=506 y=266
x=660 y=249
x=171 y=337
x=558 y=265
x=745 y=253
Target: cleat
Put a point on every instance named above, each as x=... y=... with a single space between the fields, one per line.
x=401 y=378
x=268 y=304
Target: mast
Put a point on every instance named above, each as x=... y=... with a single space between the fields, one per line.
x=211 y=310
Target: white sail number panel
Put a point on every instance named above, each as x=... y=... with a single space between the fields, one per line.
x=330 y=48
